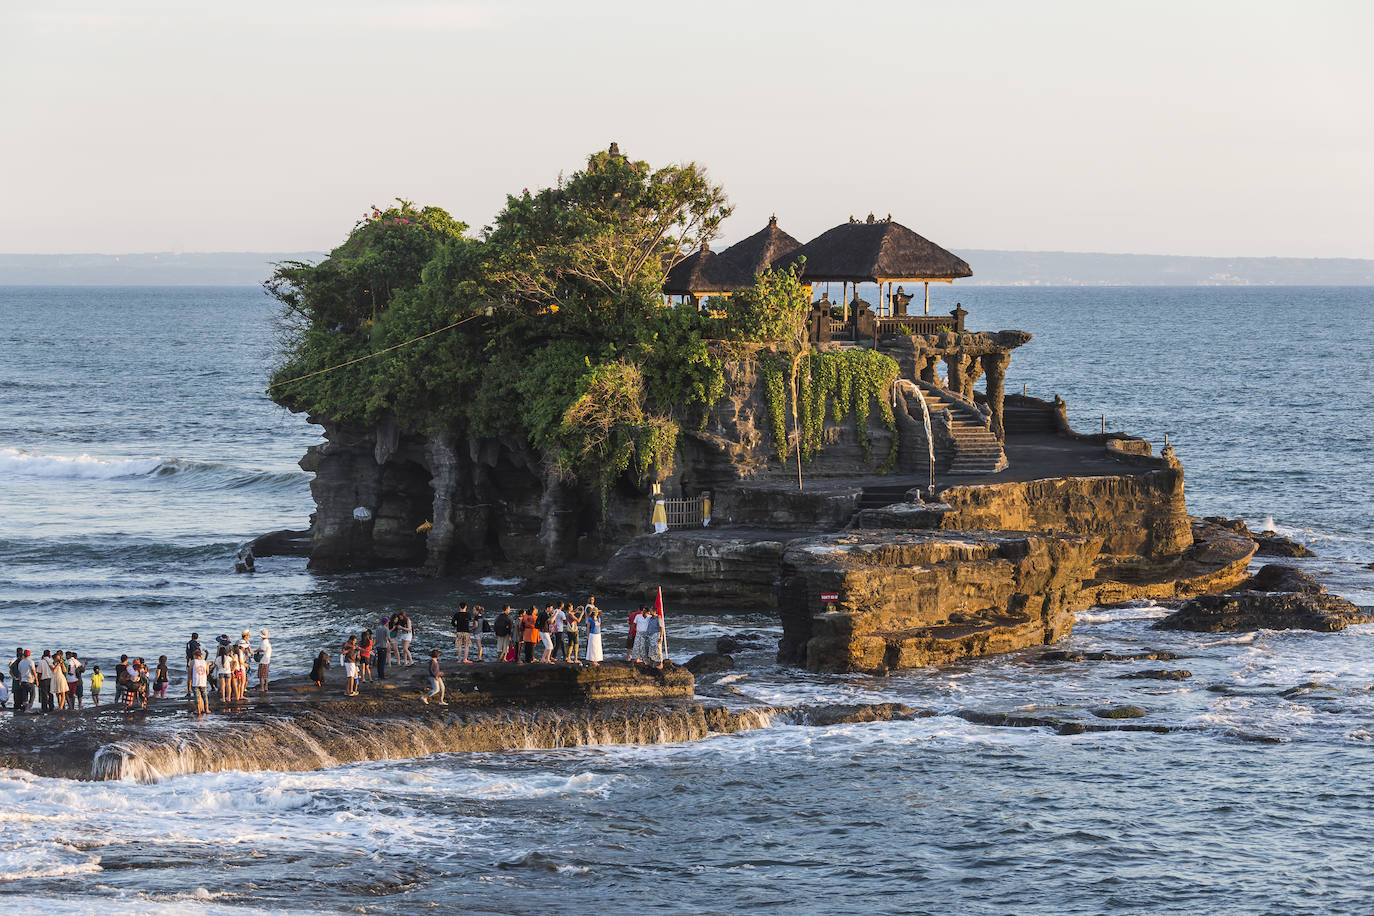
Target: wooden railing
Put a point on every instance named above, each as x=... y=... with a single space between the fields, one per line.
x=908 y=324
x=684 y=513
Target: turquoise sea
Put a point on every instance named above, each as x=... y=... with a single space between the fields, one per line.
x=138 y=451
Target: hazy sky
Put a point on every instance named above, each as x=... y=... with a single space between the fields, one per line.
x=1200 y=128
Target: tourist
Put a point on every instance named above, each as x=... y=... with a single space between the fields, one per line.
x=58 y=681
x=593 y=614
x=542 y=622
x=462 y=631
x=198 y=676
x=559 y=646
x=502 y=627
x=436 y=680
x=365 y=656
x=97 y=681
x=479 y=626
x=192 y=647
x=349 y=659
x=224 y=665
x=5 y=695
x=162 y=679
x=244 y=649
x=28 y=678
x=75 y=692
x=381 y=648
x=529 y=635
x=138 y=684
x=45 y=681
x=651 y=631
x=572 y=627
x=264 y=657
x=318 y=669
x=405 y=633
x=633 y=640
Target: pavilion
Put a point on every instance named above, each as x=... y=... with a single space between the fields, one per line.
x=877 y=251
x=706 y=273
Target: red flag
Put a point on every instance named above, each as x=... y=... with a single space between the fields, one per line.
x=662 y=628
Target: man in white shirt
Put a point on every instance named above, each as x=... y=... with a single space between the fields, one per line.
x=199 y=679
x=264 y=659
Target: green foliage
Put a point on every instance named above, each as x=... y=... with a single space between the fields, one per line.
x=561 y=333
x=773 y=311
x=837 y=383
x=774 y=372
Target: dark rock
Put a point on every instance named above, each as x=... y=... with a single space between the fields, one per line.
x=1159 y=674
x=1062 y=655
x=1303 y=605
x=284 y=543
x=736 y=642
x=1276 y=545
x=710 y=663
x=1275 y=577
x=843 y=714
x=1120 y=712
x=1231 y=524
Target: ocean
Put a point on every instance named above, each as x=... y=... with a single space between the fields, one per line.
x=138 y=452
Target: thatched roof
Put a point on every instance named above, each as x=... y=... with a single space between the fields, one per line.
x=873 y=251
x=734 y=268
x=696 y=274
x=746 y=259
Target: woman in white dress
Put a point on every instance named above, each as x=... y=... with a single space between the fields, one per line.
x=593 y=636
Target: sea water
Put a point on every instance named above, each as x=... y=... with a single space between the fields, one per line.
x=138 y=451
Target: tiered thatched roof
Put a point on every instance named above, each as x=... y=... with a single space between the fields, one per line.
x=706 y=272
x=875 y=251
x=697 y=274
x=746 y=259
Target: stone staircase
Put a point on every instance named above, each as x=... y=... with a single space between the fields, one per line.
x=972 y=447
x=880 y=496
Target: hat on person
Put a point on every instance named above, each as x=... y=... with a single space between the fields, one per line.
x=264 y=634
x=222 y=639
x=247 y=633
x=28 y=653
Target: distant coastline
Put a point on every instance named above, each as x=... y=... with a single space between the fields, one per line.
x=990 y=268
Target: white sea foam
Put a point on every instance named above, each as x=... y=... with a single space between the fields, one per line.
x=498 y=582
x=22 y=463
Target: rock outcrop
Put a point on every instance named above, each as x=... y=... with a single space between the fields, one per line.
x=905 y=599
x=1276 y=598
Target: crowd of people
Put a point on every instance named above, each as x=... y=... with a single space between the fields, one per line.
x=562 y=632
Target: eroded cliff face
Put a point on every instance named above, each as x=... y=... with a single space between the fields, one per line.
x=387 y=496
x=914 y=598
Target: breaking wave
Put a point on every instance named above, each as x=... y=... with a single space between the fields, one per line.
x=18 y=462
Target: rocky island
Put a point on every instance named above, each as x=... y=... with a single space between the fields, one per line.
x=606 y=396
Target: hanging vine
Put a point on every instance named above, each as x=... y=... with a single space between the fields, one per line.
x=839 y=382
x=774 y=372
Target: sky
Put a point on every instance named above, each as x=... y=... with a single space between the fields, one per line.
x=1159 y=127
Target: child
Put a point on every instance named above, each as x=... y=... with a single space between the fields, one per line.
x=319 y=668
x=97 y=681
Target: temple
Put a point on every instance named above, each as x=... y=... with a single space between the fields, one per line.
x=941 y=362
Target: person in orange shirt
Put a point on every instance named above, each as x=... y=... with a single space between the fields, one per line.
x=529 y=636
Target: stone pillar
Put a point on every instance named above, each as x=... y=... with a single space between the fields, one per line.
x=956 y=365
x=995 y=365
x=975 y=372
x=927 y=363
